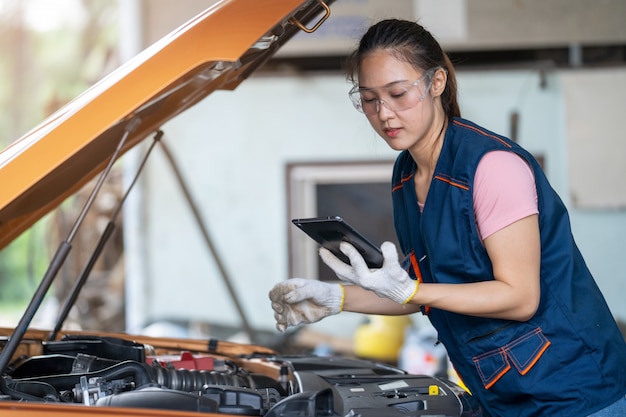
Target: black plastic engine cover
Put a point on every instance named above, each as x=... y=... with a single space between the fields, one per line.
x=101 y=347
x=369 y=389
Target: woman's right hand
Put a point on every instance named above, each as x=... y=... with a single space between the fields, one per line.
x=300 y=301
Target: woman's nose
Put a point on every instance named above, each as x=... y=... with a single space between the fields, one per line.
x=383 y=111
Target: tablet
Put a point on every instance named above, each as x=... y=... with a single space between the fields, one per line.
x=331 y=231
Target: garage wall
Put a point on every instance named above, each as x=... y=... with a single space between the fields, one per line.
x=458 y=24
x=596 y=150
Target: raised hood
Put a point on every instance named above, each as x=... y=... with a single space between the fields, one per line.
x=218 y=49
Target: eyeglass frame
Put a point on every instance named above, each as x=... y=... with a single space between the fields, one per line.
x=357 y=103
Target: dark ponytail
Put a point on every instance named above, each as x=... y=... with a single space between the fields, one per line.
x=412 y=43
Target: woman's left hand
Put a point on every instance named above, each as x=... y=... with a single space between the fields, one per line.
x=390 y=281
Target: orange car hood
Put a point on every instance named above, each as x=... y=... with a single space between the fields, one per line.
x=217 y=49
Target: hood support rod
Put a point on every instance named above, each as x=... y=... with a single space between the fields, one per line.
x=106 y=234
x=59 y=257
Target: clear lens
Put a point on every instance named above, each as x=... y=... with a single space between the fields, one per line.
x=396 y=97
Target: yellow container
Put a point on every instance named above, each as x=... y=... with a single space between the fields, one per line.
x=381 y=338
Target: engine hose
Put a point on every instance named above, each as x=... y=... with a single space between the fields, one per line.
x=195 y=380
x=16 y=395
x=136 y=370
x=144 y=374
x=40 y=390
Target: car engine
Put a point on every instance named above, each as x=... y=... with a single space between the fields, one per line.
x=98 y=371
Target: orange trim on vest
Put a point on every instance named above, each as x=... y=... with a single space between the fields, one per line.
x=402 y=181
x=494 y=380
x=525 y=370
x=456 y=122
x=451 y=182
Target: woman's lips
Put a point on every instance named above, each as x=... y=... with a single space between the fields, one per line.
x=392 y=132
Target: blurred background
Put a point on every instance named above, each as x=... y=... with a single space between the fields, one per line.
x=286 y=144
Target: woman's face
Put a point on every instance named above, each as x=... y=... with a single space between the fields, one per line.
x=398 y=106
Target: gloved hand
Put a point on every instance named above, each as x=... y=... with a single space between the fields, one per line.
x=298 y=301
x=390 y=281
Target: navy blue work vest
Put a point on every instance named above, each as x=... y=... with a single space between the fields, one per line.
x=570 y=358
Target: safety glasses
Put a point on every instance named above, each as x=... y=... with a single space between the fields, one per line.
x=397 y=96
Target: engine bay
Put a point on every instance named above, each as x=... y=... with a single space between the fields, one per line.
x=107 y=371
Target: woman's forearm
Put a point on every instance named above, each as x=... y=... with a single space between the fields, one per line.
x=359 y=300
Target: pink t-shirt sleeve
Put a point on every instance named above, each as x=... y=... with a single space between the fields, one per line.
x=504 y=192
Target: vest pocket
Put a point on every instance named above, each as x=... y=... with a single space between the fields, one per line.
x=521 y=353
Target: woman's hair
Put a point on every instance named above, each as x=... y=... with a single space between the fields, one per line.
x=410 y=42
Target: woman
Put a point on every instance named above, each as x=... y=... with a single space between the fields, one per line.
x=487 y=245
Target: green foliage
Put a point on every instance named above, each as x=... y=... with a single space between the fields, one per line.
x=41 y=69
x=22 y=264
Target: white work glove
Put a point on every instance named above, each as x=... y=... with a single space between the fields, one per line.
x=390 y=281
x=299 y=301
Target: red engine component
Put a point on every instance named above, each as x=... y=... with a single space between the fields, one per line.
x=186 y=360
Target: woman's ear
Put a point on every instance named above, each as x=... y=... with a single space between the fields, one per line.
x=440 y=78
